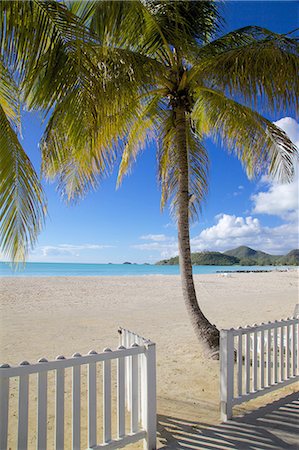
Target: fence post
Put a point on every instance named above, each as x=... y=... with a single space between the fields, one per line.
x=4 y=401
x=226 y=373
x=149 y=417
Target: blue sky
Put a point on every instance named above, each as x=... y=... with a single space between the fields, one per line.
x=126 y=224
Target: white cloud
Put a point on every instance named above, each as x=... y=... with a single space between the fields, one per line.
x=68 y=249
x=165 y=246
x=280 y=199
x=231 y=231
x=291 y=127
x=155 y=237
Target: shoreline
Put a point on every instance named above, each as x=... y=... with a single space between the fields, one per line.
x=247 y=269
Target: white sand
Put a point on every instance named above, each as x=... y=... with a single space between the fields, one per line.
x=51 y=316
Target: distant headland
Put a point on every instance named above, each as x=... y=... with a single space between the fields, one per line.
x=243 y=256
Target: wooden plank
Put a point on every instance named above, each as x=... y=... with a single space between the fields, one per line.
x=23 y=412
x=4 y=407
x=150 y=416
x=92 y=405
x=294 y=349
x=247 y=363
x=123 y=442
x=275 y=356
x=107 y=400
x=134 y=393
x=66 y=363
x=281 y=353
x=76 y=408
x=254 y=361
x=240 y=363
x=226 y=373
x=266 y=390
x=59 y=409
x=263 y=326
x=269 y=359
x=262 y=360
x=120 y=397
x=288 y=349
x=42 y=410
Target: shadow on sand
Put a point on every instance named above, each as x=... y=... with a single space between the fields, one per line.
x=275 y=426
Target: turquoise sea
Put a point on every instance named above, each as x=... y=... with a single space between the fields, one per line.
x=91 y=270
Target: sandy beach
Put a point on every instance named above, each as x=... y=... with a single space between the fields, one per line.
x=44 y=317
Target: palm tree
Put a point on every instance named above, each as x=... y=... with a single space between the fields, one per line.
x=154 y=73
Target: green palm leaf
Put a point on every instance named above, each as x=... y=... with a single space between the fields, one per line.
x=22 y=203
x=251 y=63
x=258 y=143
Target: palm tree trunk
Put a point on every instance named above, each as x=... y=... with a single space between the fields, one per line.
x=207 y=333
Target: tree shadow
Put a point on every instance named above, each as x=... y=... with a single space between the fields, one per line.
x=275 y=426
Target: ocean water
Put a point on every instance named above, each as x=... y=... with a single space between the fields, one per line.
x=90 y=270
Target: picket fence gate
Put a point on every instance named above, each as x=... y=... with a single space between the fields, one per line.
x=256 y=360
x=136 y=392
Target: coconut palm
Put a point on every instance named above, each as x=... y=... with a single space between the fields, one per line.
x=155 y=74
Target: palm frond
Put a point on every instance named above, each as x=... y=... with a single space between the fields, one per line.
x=186 y=23
x=29 y=29
x=127 y=25
x=251 y=63
x=9 y=95
x=141 y=132
x=22 y=203
x=259 y=144
x=88 y=127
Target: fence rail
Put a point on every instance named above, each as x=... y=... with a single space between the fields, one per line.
x=132 y=360
x=256 y=360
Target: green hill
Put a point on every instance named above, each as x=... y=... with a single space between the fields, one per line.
x=291 y=258
x=204 y=259
x=246 y=252
x=243 y=256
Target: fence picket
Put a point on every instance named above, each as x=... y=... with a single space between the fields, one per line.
x=120 y=396
x=247 y=363
x=59 y=407
x=42 y=410
x=4 y=405
x=294 y=349
x=134 y=392
x=107 y=399
x=281 y=353
x=254 y=360
x=275 y=358
x=269 y=359
x=23 y=411
x=76 y=405
x=288 y=352
x=92 y=402
x=262 y=360
x=240 y=363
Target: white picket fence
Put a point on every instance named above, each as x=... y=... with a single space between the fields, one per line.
x=134 y=357
x=256 y=360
